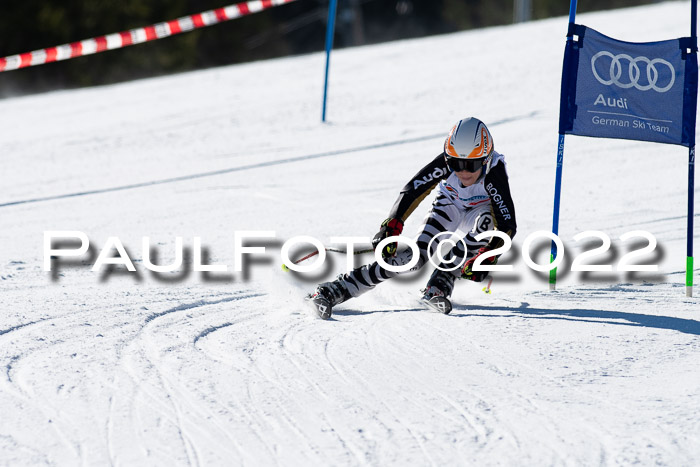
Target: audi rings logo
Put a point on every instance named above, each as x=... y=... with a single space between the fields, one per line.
x=634 y=72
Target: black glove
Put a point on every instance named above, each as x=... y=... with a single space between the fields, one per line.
x=478 y=276
x=390 y=227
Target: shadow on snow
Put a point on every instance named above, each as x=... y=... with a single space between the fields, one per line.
x=686 y=326
x=620 y=318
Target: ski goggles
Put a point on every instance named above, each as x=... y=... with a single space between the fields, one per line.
x=470 y=165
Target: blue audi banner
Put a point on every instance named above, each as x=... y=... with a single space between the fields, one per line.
x=638 y=91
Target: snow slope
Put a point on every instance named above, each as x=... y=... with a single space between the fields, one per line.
x=185 y=368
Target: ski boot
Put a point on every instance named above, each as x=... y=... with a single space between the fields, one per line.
x=328 y=295
x=436 y=294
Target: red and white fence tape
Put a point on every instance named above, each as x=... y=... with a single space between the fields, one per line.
x=136 y=36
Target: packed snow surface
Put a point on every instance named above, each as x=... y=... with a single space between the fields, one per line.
x=192 y=368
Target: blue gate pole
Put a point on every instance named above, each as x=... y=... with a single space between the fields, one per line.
x=691 y=195
x=691 y=171
x=555 y=217
x=560 y=166
x=330 y=31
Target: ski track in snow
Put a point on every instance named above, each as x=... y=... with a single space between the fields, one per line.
x=140 y=369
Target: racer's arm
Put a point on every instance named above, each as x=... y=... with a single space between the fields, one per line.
x=419 y=187
x=409 y=198
x=503 y=209
x=502 y=206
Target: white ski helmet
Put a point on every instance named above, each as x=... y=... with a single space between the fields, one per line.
x=469 y=146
